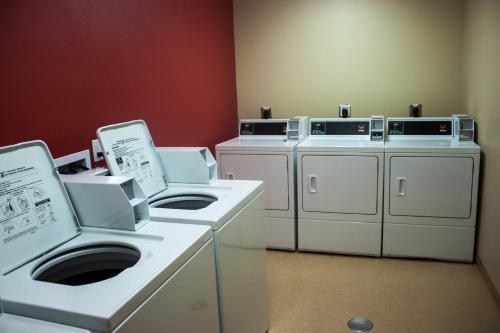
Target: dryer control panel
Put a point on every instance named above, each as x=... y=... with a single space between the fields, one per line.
x=441 y=127
x=267 y=127
x=362 y=128
x=340 y=127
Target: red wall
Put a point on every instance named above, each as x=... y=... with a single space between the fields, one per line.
x=69 y=67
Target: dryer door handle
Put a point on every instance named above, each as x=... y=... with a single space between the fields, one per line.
x=230 y=175
x=401 y=186
x=311 y=183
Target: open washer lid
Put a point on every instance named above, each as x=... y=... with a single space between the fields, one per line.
x=36 y=214
x=129 y=151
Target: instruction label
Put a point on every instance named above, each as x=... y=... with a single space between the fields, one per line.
x=130 y=155
x=25 y=206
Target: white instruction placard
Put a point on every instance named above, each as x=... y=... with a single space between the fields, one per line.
x=25 y=206
x=132 y=160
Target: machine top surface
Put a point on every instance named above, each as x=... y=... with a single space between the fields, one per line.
x=432 y=145
x=268 y=134
x=342 y=135
x=10 y=324
x=340 y=144
x=232 y=196
x=257 y=143
x=164 y=248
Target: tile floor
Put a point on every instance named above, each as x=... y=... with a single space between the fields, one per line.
x=311 y=293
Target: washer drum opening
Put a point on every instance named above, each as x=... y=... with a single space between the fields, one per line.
x=85 y=265
x=187 y=202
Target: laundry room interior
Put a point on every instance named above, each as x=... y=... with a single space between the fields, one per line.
x=249 y=166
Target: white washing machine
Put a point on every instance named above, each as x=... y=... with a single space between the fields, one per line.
x=340 y=191
x=264 y=151
x=431 y=186
x=233 y=209
x=17 y=324
x=160 y=278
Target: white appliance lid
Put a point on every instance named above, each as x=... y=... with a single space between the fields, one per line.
x=129 y=151
x=36 y=214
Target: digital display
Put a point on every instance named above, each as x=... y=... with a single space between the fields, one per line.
x=340 y=128
x=427 y=127
x=396 y=128
x=263 y=128
x=318 y=128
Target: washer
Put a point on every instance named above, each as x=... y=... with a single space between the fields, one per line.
x=17 y=324
x=263 y=152
x=340 y=175
x=158 y=278
x=233 y=209
x=431 y=185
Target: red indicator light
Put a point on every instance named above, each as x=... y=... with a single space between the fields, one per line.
x=361 y=126
x=442 y=126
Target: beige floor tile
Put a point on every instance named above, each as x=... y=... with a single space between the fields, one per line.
x=311 y=292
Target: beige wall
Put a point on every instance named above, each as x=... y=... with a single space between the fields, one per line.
x=308 y=56
x=304 y=57
x=482 y=99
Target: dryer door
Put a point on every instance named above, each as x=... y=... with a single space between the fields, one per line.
x=270 y=168
x=341 y=184
x=431 y=186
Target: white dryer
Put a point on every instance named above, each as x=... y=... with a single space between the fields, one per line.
x=431 y=186
x=264 y=151
x=158 y=278
x=340 y=175
x=233 y=209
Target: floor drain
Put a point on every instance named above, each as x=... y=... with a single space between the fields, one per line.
x=360 y=324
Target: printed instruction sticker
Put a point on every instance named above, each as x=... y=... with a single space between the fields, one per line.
x=130 y=155
x=25 y=206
